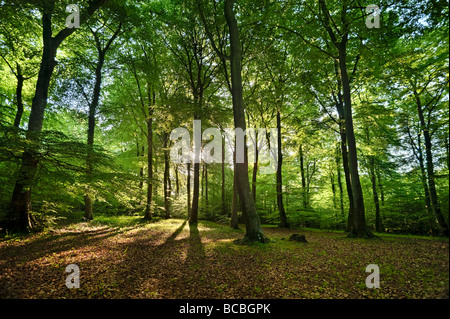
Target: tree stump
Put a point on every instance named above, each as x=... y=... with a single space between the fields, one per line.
x=298 y=237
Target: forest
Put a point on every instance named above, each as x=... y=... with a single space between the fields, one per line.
x=166 y=148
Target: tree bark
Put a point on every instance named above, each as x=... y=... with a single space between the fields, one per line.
x=340 y=40
x=188 y=189
x=148 y=215
x=255 y=167
x=20 y=217
x=378 y=222
x=333 y=190
x=177 y=182
x=88 y=198
x=339 y=181
x=19 y=88
x=196 y=191
x=141 y=170
x=206 y=184
x=166 y=176
x=380 y=184
x=430 y=170
x=224 y=210
x=281 y=210
x=253 y=224
x=234 y=204
x=302 y=172
x=359 y=227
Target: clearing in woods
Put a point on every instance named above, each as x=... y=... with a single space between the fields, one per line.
x=124 y=258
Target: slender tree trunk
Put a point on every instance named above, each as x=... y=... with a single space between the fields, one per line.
x=378 y=222
x=166 y=176
x=340 y=41
x=148 y=215
x=195 y=195
x=19 y=88
x=223 y=178
x=309 y=177
x=348 y=182
x=253 y=224
x=177 y=181
x=281 y=210
x=447 y=152
x=339 y=181
x=188 y=189
x=380 y=184
x=359 y=228
x=234 y=203
x=203 y=182
x=344 y=150
x=255 y=167
x=88 y=197
x=206 y=184
x=333 y=191
x=430 y=170
x=373 y=179
x=423 y=177
x=302 y=172
x=141 y=170
x=20 y=217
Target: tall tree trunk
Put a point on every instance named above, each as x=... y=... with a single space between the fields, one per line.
x=166 y=176
x=423 y=173
x=255 y=167
x=378 y=222
x=20 y=216
x=177 y=181
x=193 y=219
x=302 y=172
x=340 y=41
x=188 y=189
x=88 y=197
x=281 y=210
x=234 y=203
x=430 y=170
x=359 y=227
x=19 y=100
x=141 y=170
x=447 y=152
x=339 y=181
x=223 y=178
x=203 y=182
x=333 y=189
x=148 y=215
x=348 y=183
x=206 y=184
x=373 y=179
x=309 y=178
x=344 y=150
x=253 y=225
x=380 y=184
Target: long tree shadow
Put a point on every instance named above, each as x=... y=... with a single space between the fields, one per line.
x=35 y=249
x=17 y=268
x=195 y=265
x=174 y=235
x=148 y=262
x=196 y=251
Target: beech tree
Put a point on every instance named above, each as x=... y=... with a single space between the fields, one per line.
x=20 y=215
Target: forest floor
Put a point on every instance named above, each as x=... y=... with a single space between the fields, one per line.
x=170 y=259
